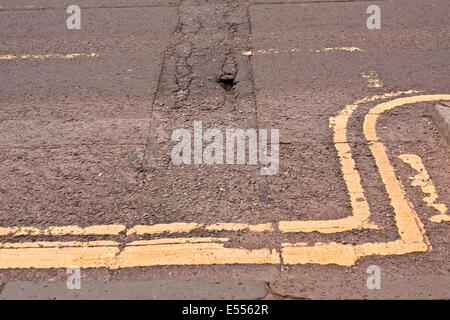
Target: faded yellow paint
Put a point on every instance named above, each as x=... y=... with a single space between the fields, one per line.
x=161 y=228
x=349 y=49
x=177 y=227
x=372 y=79
x=207 y=251
x=326 y=226
x=8 y=57
x=411 y=230
x=47 y=56
x=360 y=207
x=240 y=226
x=177 y=240
x=293 y=50
x=57 y=244
x=410 y=227
x=296 y=244
x=64 y=230
x=423 y=180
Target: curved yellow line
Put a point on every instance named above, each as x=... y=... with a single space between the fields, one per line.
x=211 y=251
x=409 y=225
x=360 y=206
x=358 y=219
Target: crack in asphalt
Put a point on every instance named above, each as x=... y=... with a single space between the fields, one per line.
x=208 y=33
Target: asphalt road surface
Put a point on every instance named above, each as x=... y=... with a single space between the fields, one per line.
x=87 y=179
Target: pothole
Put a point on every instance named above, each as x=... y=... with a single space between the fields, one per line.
x=227 y=83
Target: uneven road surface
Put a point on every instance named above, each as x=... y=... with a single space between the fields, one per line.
x=88 y=181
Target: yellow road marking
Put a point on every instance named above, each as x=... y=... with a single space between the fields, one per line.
x=329 y=253
x=349 y=49
x=176 y=227
x=83 y=256
x=177 y=240
x=47 y=56
x=406 y=218
x=160 y=228
x=186 y=251
x=56 y=244
x=193 y=253
x=64 y=230
x=139 y=253
x=327 y=226
x=423 y=180
x=294 y=50
x=411 y=230
x=240 y=226
x=360 y=207
x=372 y=79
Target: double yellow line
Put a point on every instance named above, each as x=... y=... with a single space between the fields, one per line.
x=208 y=251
